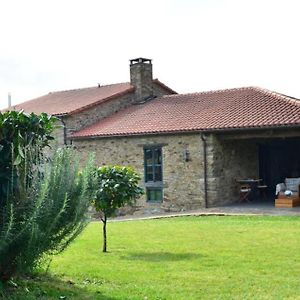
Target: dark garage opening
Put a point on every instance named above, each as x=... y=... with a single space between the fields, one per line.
x=278 y=159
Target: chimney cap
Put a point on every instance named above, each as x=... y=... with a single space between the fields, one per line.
x=140 y=60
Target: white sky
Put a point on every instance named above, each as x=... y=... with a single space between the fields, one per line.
x=49 y=45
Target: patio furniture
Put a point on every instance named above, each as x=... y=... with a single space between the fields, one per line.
x=290 y=184
x=262 y=191
x=248 y=189
x=245 y=191
x=288 y=201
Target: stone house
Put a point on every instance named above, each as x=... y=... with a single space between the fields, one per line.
x=189 y=148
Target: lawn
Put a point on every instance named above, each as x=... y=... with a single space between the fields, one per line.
x=178 y=258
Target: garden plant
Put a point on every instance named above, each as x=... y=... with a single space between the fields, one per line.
x=43 y=202
x=117 y=186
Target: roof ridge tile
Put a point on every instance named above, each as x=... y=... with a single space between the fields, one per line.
x=279 y=96
x=213 y=91
x=90 y=87
x=71 y=101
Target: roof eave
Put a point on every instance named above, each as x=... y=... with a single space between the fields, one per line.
x=213 y=130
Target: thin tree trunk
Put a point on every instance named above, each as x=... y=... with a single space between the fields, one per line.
x=104 y=233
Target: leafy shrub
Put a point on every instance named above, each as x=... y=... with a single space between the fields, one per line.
x=21 y=135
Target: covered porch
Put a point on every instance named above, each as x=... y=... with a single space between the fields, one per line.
x=255 y=207
x=266 y=156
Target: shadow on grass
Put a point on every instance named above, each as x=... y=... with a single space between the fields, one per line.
x=48 y=287
x=161 y=256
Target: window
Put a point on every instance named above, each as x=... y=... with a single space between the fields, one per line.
x=153 y=164
x=153 y=173
x=154 y=194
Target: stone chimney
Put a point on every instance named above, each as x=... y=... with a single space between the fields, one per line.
x=141 y=77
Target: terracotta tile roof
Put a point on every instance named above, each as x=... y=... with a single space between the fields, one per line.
x=249 y=107
x=72 y=101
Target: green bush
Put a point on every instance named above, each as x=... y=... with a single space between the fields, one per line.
x=21 y=135
x=51 y=213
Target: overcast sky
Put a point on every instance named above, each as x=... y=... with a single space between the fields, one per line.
x=195 y=45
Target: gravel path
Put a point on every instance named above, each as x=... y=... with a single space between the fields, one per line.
x=246 y=209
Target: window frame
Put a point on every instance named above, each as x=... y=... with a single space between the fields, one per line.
x=158 y=200
x=153 y=184
x=153 y=164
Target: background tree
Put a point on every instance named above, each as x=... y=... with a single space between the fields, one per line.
x=21 y=135
x=117 y=186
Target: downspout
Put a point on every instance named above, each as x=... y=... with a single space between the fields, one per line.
x=203 y=138
x=65 y=131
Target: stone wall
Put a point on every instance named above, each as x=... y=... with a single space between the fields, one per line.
x=91 y=115
x=230 y=160
x=159 y=90
x=182 y=180
x=58 y=134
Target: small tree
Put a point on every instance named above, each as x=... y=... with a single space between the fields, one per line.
x=117 y=186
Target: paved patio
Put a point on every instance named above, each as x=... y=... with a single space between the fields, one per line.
x=253 y=208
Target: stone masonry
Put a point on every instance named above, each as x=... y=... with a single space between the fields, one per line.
x=141 y=78
x=182 y=180
x=229 y=161
x=91 y=115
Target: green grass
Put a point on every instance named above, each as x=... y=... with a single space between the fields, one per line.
x=179 y=258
